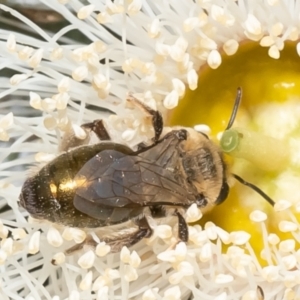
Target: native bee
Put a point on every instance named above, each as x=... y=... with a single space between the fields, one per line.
x=107 y=183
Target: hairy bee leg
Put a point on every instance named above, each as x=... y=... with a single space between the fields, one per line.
x=157 y=119
x=89 y=241
x=71 y=141
x=129 y=239
x=97 y=126
x=183 y=231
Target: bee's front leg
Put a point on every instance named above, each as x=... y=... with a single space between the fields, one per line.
x=183 y=230
x=157 y=119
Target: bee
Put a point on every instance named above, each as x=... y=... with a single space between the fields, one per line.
x=105 y=184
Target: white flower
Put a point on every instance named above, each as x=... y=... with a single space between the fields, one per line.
x=155 y=50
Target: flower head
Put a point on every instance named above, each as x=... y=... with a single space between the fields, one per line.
x=54 y=82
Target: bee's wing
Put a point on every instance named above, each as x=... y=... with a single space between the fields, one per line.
x=113 y=179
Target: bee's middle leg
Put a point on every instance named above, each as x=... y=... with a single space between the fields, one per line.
x=97 y=126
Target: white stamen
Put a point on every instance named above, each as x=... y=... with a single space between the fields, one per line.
x=178 y=49
x=206 y=252
x=85 y=11
x=154 y=29
x=128 y=134
x=102 y=294
x=178 y=86
x=130 y=273
x=102 y=249
x=50 y=123
x=36 y=58
x=274 y=52
x=282 y=205
x=11 y=43
x=223 y=278
x=16 y=79
x=185 y=268
x=289 y=261
x=230 y=47
x=135 y=260
x=192 y=79
x=287 y=245
x=163 y=231
x=100 y=81
x=258 y=216
x=190 y=24
x=54 y=238
x=25 y=53
x=134 y=7
x=62 y=100
x=273 y=239
x=57 y=53
x=176 y=278
x=203 y=128
x=193 y=213
x=64 y=85
x=7 y=245
x=211 y=232
x=214 y=59
x=35 y=100
x=239 y=237
x=252 y=25
x=149 y=295
x=125 y=255
x=267 y=41
x=218 y=13
x=222 y=296
x=287 y=226
x=74 y=295
x=104 y=17
x=34 y=243
x=171 y=100
x=77 y=235
x=270 y=273
x=58 y=258
x=86 y=261
x=80 y=73
x=7 y=121
x=86 y=282
x=79 y=131
x=223 y=235
x=18 y=233
x=3 y=257
x=172 y=293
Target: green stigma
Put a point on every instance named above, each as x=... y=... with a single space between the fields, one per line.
x=265 y=152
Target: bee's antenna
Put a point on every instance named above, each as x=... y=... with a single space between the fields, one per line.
x=235 y=108
x=255 y=188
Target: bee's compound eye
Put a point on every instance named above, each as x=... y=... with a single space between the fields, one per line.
x=223 y=193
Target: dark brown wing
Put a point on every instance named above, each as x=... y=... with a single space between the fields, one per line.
x=113 y=180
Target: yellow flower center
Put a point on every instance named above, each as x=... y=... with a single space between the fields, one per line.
x=270 y=106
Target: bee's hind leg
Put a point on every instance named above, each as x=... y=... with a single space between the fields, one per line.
x=129 y=239
x=117 y=240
